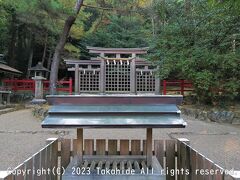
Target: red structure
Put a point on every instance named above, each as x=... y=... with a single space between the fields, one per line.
x=181 y=85
x=28 y=85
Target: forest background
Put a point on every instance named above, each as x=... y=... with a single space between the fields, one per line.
x=197 y=40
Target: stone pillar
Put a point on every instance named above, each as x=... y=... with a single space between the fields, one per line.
x=38 y=99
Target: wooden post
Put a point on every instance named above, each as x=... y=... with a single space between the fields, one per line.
x=182 y=86
x=157 y=82
x=80 y=144
x=70 y=86
x=149 y=147
x=102 y=77
x=1 y=97
x=49 y=140
x=164 y=87
x=76 y=87
x=184 y=140
x=8 y=97
x=157 y=85
x=133 y=75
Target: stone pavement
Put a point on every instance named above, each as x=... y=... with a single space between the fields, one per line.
x=21 y=136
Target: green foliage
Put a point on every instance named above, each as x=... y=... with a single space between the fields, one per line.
x=119 y=31
x=3 y=30
x=197 y=45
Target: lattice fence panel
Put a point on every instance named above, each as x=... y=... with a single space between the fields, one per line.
x=117 y=76
x=89 y=81
x=145 y=81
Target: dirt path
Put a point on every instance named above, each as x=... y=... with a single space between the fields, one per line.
x=21 y=135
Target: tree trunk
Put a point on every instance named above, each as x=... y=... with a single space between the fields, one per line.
x=13 y=41
x=49 y=62
x=45 y=49
x=30 y=62
x=31 y=44
x=60 y=45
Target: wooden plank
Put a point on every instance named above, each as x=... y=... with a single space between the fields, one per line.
x=149 y=147
x=193 y=164
x=124 y=147
x=88 y=146
x=65 y=152
x=144 y=166
x=112 y=147
x=159 y=150
x=100 y=164
x=114 y=165
x=29 y=165
x=129 y=164
x=107 y=165
x=187 y=162
x=179 y=156
x=100 y=146
x=170 y=157
x=218 y=175
x=136 y=166
x=48 y=160
x=54 y=159
x=36 y=165
x=9 y=177
x=182 y=160
x=144 y=147
x=85 y=164
x=21 y=168
x=122 y=165
x=200 y=162
x=74 y=148
x=43 y=165
x=136 y=147
x=92 y=166
x=80 y=144
x=208 y=165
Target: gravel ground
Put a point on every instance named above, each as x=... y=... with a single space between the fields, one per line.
x=21 y=136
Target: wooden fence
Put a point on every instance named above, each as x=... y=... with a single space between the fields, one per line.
x=46 y=158
x=29 y=85
x=180 y=86
x=179 y=160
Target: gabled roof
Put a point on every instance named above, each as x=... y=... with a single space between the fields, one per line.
x=8 y=69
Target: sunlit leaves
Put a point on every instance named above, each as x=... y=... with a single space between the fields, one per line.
x=199 y=47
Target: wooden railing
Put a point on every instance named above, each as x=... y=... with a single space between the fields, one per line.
x=29 y=85
x=179 y=86
x=46 y=160
x=171 y=153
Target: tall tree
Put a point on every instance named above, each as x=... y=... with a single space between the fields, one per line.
x=60 y=46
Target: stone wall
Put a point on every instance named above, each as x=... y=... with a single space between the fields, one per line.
x=40 y=111
x=212 y=114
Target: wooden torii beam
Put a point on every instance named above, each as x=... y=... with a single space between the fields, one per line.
x=100 y=50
